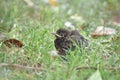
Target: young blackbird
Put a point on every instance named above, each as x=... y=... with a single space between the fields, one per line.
x=68 y=40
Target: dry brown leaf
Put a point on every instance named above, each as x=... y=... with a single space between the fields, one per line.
x=13 y=42
x=102 y=31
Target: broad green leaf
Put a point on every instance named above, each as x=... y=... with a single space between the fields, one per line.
x=95 y=76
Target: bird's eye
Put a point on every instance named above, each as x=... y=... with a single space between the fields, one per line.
x=62 y=34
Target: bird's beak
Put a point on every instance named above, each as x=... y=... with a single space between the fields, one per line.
x=56 y=35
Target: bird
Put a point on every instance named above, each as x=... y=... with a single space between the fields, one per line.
x=68 y=40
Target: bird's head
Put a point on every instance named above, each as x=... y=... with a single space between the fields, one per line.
x=61 y=33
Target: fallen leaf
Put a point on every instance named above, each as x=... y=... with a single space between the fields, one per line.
x=77 y=18
x=69 y=25
x=13 y=42
x=95 y=76
x=102 y=31
x=29 y=3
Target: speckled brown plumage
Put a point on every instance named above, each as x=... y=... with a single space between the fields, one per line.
x=67 y=40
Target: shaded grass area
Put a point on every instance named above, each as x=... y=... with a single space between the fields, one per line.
x=33 y=26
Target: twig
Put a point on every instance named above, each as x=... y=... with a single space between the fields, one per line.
x=112 y=68
x=20 y=66
x=86 y=67
x=95 y=68
x=41 y=69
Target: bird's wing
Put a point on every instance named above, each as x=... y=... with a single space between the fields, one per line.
x=77 y=37
x=79 y=40
x=75 y=32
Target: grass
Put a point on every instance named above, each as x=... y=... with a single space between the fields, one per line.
x=33 y=26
